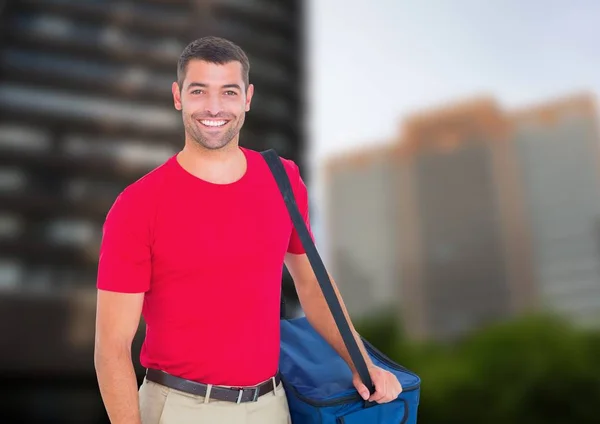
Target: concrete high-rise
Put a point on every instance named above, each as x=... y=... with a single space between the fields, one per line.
x=464 y=255
x=559 y=163
x=361 y=199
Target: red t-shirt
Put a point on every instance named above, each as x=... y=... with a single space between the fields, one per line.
x=209 y=258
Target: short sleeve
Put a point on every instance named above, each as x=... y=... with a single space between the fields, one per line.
x=124 y=263
x=301 y=193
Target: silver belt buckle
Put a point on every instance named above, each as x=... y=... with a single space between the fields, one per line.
x=241 y=393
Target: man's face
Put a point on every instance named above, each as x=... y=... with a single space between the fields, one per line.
x=213 y=101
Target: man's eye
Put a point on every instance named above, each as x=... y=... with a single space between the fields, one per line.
x=197 y=92
x=230 y=93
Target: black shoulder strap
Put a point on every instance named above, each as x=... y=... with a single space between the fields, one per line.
x=278 y=171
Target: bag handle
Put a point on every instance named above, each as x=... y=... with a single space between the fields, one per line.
x=278 y=171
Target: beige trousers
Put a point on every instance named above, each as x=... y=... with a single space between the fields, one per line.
x=163 y=405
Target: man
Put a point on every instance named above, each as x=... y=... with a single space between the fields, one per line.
x=197 y=247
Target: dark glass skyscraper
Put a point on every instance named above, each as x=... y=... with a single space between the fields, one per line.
x=86 y=109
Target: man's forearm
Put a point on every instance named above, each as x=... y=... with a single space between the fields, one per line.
x=118 y=386
x=318 y=314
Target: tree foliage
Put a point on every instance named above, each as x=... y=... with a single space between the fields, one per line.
x=532 y=370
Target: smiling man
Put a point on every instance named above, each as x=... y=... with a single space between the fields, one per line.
x=197 y=247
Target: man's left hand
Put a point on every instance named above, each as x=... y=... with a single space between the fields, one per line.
x=387 y=386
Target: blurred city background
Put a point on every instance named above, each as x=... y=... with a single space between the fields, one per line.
x=451 y=150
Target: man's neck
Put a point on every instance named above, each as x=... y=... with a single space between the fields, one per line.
x=222 y=166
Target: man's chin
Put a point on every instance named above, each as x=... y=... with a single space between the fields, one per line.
x=214 y=145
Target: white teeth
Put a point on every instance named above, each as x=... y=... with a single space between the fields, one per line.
x=213 y=123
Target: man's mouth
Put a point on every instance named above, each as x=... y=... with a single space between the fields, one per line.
x=212 y=123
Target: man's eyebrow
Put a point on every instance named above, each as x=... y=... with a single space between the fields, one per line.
x=232 y=86
x=196 y=84
x=203 y=85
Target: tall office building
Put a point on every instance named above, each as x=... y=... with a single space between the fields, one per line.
x=461 y=222
x=361 y=199
x=86 y=109
x=558 y=159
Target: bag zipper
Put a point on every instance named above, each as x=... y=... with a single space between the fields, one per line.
x=342 y=420
x=340 y=401
x=379 y=355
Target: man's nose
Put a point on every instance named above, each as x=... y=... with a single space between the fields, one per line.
x=213 y=104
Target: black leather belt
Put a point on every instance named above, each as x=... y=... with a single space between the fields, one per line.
x=234 y=394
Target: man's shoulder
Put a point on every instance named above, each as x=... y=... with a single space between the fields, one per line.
x=146 y=187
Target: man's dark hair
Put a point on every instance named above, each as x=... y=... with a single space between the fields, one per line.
x=213 y=50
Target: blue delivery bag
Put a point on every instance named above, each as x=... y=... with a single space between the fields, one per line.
x=317 y=380
x=319 y=386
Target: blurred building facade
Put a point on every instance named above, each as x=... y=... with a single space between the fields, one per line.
x=362 y=197
x=559 y=162
x=493 y=215
x=463 y=269
x=86 y=109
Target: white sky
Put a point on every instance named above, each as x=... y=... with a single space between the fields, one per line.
x=373 y=62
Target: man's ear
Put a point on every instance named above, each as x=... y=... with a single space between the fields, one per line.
x=249 y=94
x=176 y=95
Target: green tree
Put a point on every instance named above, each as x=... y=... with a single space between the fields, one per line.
x=382 y=330
x=532 y=370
